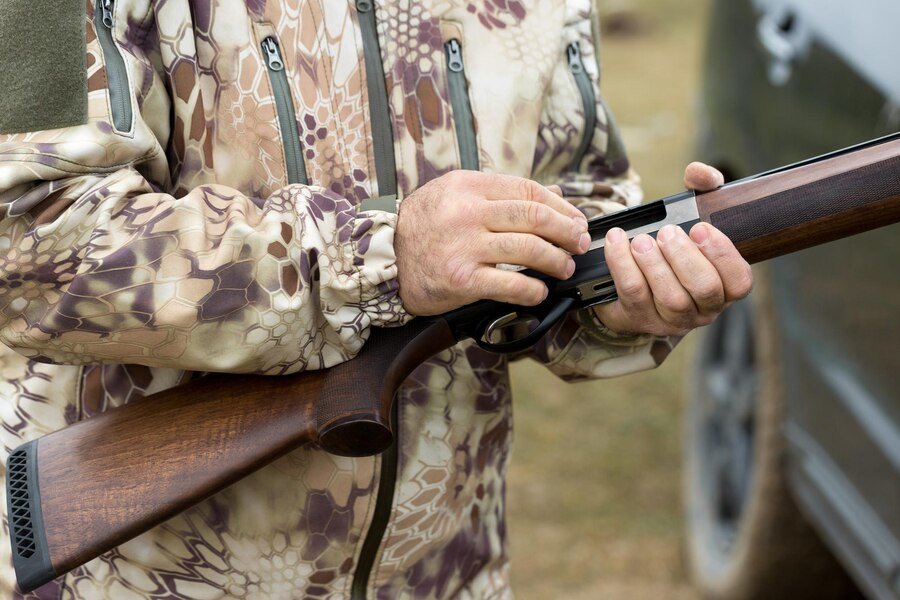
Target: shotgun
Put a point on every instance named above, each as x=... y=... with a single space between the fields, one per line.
x=85 y=489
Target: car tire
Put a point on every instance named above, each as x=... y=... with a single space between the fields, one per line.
x=746 y=538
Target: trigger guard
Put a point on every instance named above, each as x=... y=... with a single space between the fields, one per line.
x=523 y=343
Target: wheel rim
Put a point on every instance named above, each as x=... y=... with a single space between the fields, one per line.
x=727 y=386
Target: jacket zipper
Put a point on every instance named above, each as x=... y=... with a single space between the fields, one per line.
x=384 y=501
x=284 y=106
x=462 y=106
x=386 y=174
x=116 y=74
x=382 y=134
x=588 y=101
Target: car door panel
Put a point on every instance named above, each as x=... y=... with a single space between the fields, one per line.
x=839 y=304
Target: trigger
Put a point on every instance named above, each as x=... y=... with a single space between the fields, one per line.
x=493 y=333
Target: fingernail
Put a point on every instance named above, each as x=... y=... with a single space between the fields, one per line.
x=666 y=234
x=570 y=268
x=700 y=234
x=578 y=227
x=642 y=244
x=616 y=235
x=581 y=222
x=584 y=242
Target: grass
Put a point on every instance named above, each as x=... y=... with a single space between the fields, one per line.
x=594 y=503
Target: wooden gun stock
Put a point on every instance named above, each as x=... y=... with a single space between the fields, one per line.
x=81 y=491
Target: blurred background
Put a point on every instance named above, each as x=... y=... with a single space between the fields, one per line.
x=790 y=432
x=594 y=486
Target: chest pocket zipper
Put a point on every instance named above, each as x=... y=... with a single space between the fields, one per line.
x=379 y=113
x=116 y=73
x=462 y=107
x=588 y=102
x=284 y=106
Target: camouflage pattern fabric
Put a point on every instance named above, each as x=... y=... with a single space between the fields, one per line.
x=134 y=258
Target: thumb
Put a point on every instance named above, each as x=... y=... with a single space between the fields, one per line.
x=701 y=177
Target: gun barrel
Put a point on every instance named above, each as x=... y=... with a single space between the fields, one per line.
x=810 y=204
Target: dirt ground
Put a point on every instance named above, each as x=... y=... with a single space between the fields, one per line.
x=594 y=503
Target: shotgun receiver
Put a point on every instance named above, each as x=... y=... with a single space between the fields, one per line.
x=83 y=490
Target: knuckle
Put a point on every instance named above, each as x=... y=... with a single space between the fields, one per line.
x=708 y=290
x=494 y=180
x=453 y=178
x=678 y=304
x=530 y=292
x=459 y=273
x=461 y=180
x=468 y=177
x=534 y=215
x=530 y=190
x=528 y=246
x=630 y=289
x=463 y=214
x=563 y=261
x=516 y=289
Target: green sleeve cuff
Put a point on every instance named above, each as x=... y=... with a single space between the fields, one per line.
x=382 y=203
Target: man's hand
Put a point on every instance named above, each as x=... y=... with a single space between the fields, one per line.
x=454 y=230
x=677 y=282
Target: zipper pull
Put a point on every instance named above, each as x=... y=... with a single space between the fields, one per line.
x=107 y=8
x=454 y=56
x=273 y=55
x=574 y=53
x=363 y=6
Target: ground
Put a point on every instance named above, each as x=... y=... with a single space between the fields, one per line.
x=594 y=486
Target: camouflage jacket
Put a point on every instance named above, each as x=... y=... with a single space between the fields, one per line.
x=204 y=211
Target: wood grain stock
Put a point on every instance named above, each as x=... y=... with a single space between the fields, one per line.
x=106 y=480
x=810 y=205
x=353 y=413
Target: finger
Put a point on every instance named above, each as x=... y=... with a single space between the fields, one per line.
x=694 y=271
x=615 y=317
x=495 y=186
x=701 y=177
x=672 y=301
x=529 y=251
x=492 y=283
x=737 y=278
x=504 y=216
x=634 y=309
x=555 y=189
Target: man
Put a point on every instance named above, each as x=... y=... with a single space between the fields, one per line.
x=224 y=200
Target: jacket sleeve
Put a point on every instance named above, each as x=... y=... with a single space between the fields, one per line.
x=104 y=263
x=580 y=347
